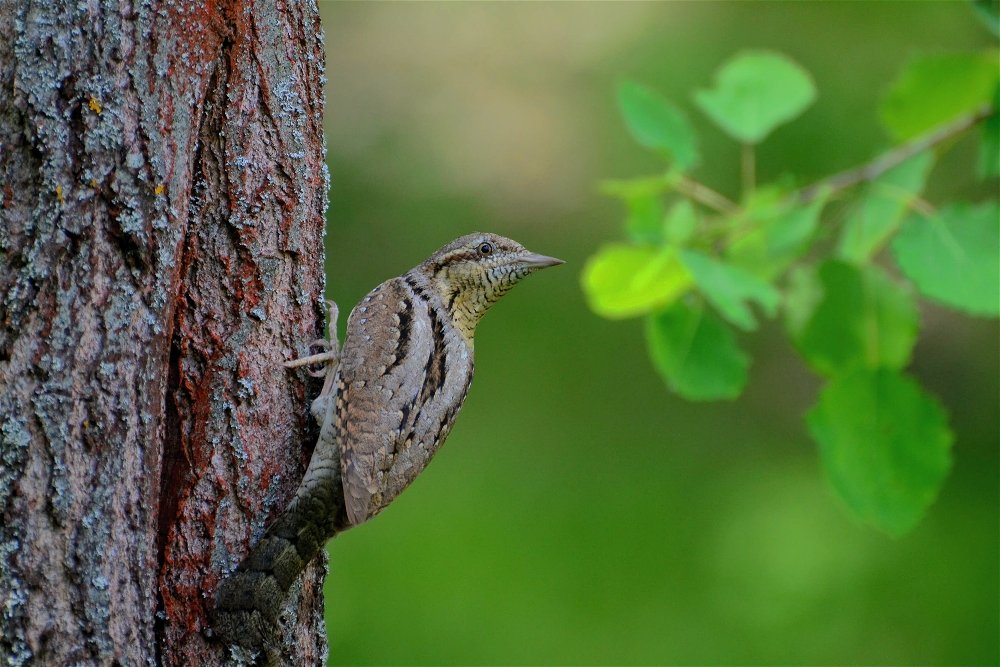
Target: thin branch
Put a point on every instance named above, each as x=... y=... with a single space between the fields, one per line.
x=923 y=207
x=883 y=163
x=706 y=195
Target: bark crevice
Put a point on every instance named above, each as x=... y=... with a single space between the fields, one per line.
x=161 y=252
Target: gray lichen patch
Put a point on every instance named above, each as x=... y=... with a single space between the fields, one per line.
x=163 y=207
x=14 y=442
x=13 y=599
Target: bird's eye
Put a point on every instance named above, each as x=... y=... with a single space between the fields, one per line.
x=485 y=248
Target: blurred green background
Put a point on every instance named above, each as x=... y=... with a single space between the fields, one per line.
x=580 y=514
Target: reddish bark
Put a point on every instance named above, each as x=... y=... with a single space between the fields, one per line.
x=161 y=252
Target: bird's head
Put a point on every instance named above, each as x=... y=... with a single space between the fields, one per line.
x=472 y=272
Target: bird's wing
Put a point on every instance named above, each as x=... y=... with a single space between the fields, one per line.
x=383 y=334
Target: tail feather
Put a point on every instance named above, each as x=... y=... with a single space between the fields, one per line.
x=249 y=601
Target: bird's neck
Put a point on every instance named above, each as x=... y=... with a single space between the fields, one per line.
x=464 y=305
x=466 y=310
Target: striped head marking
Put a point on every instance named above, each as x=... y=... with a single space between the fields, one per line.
x=472 y=272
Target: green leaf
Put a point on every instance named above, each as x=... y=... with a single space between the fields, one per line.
x=988 y=11
x=755 y=92
x=934 y=90
x=730 y=289
x=804 y=294
x=645 y=218
x=954 y=257
x=861 y=318
x=882 y=209
x=885 y=446
x=777 y=239
x=657 y=124
x=624 y=281
x=989 y=143
x=681 y=222
x=790 y=234
x=696 y=353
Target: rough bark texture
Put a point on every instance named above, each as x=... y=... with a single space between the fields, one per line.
x=162 y=203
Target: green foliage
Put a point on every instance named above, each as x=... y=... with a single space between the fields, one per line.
x=681 y=222
x=988 y=11
x=885 y=446
x=696 y=353
x=703 y=263
x=624 y=281
x=954 y=256
x=755 y=92
x=856 y=317
x=657 y=124
x=645 y=217
x=989 y=147
x=935 y=90
x=882 y=207
x=730 y=289
x=776 y=237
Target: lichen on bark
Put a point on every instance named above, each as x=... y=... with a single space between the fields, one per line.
x=163 y=200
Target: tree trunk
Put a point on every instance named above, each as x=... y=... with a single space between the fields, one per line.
x=161 y=253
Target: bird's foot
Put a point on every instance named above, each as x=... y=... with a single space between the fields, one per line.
x=331 y=349
x=329 y=358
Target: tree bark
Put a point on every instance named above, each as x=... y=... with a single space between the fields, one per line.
x=161 y=253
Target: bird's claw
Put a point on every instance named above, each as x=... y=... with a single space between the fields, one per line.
x=329 y=357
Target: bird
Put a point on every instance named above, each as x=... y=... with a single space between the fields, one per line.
x=400 y=380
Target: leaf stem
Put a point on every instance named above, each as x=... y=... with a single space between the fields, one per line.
x=748 y=169
x=886 y=161
x=923 y=207
x=705 y=195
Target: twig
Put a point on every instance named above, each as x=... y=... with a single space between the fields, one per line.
x=923 y=207
x=883 y=163
x=704 y=194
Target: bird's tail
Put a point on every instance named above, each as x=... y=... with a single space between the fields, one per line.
x=249 y=601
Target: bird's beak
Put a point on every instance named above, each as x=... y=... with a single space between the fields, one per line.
x=536 y=261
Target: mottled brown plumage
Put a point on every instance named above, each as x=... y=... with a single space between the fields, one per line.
x=403 y=374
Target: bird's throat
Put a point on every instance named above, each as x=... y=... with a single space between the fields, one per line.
x=466 y=310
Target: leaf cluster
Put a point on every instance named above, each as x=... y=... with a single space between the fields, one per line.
x=703 y=269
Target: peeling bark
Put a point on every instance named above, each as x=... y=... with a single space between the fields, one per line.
x=161 y=252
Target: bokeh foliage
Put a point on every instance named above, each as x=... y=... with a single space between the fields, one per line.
x=581 y=512
x=699 y=271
